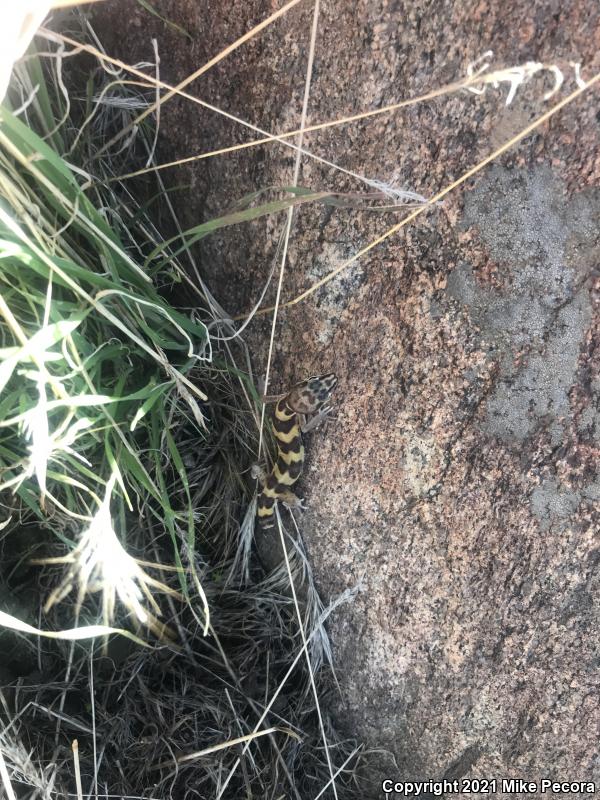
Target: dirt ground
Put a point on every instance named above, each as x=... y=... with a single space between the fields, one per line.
x=459 y=484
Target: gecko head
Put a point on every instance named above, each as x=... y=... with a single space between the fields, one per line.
x=311 y=395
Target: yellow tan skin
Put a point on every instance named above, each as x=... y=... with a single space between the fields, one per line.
x=307 y=398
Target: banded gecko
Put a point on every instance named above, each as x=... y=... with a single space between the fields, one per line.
x=309 y=397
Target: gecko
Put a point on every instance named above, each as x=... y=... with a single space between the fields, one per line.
x=310 y=397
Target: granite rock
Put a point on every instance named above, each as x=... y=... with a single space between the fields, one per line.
x=460 y=483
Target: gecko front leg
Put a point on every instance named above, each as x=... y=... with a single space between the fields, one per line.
x=267 y=398
x=307 y=425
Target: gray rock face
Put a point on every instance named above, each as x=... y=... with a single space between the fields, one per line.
x=525 y=222
x=460 y=482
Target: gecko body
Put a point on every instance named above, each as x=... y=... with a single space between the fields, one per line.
x=289 y=421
